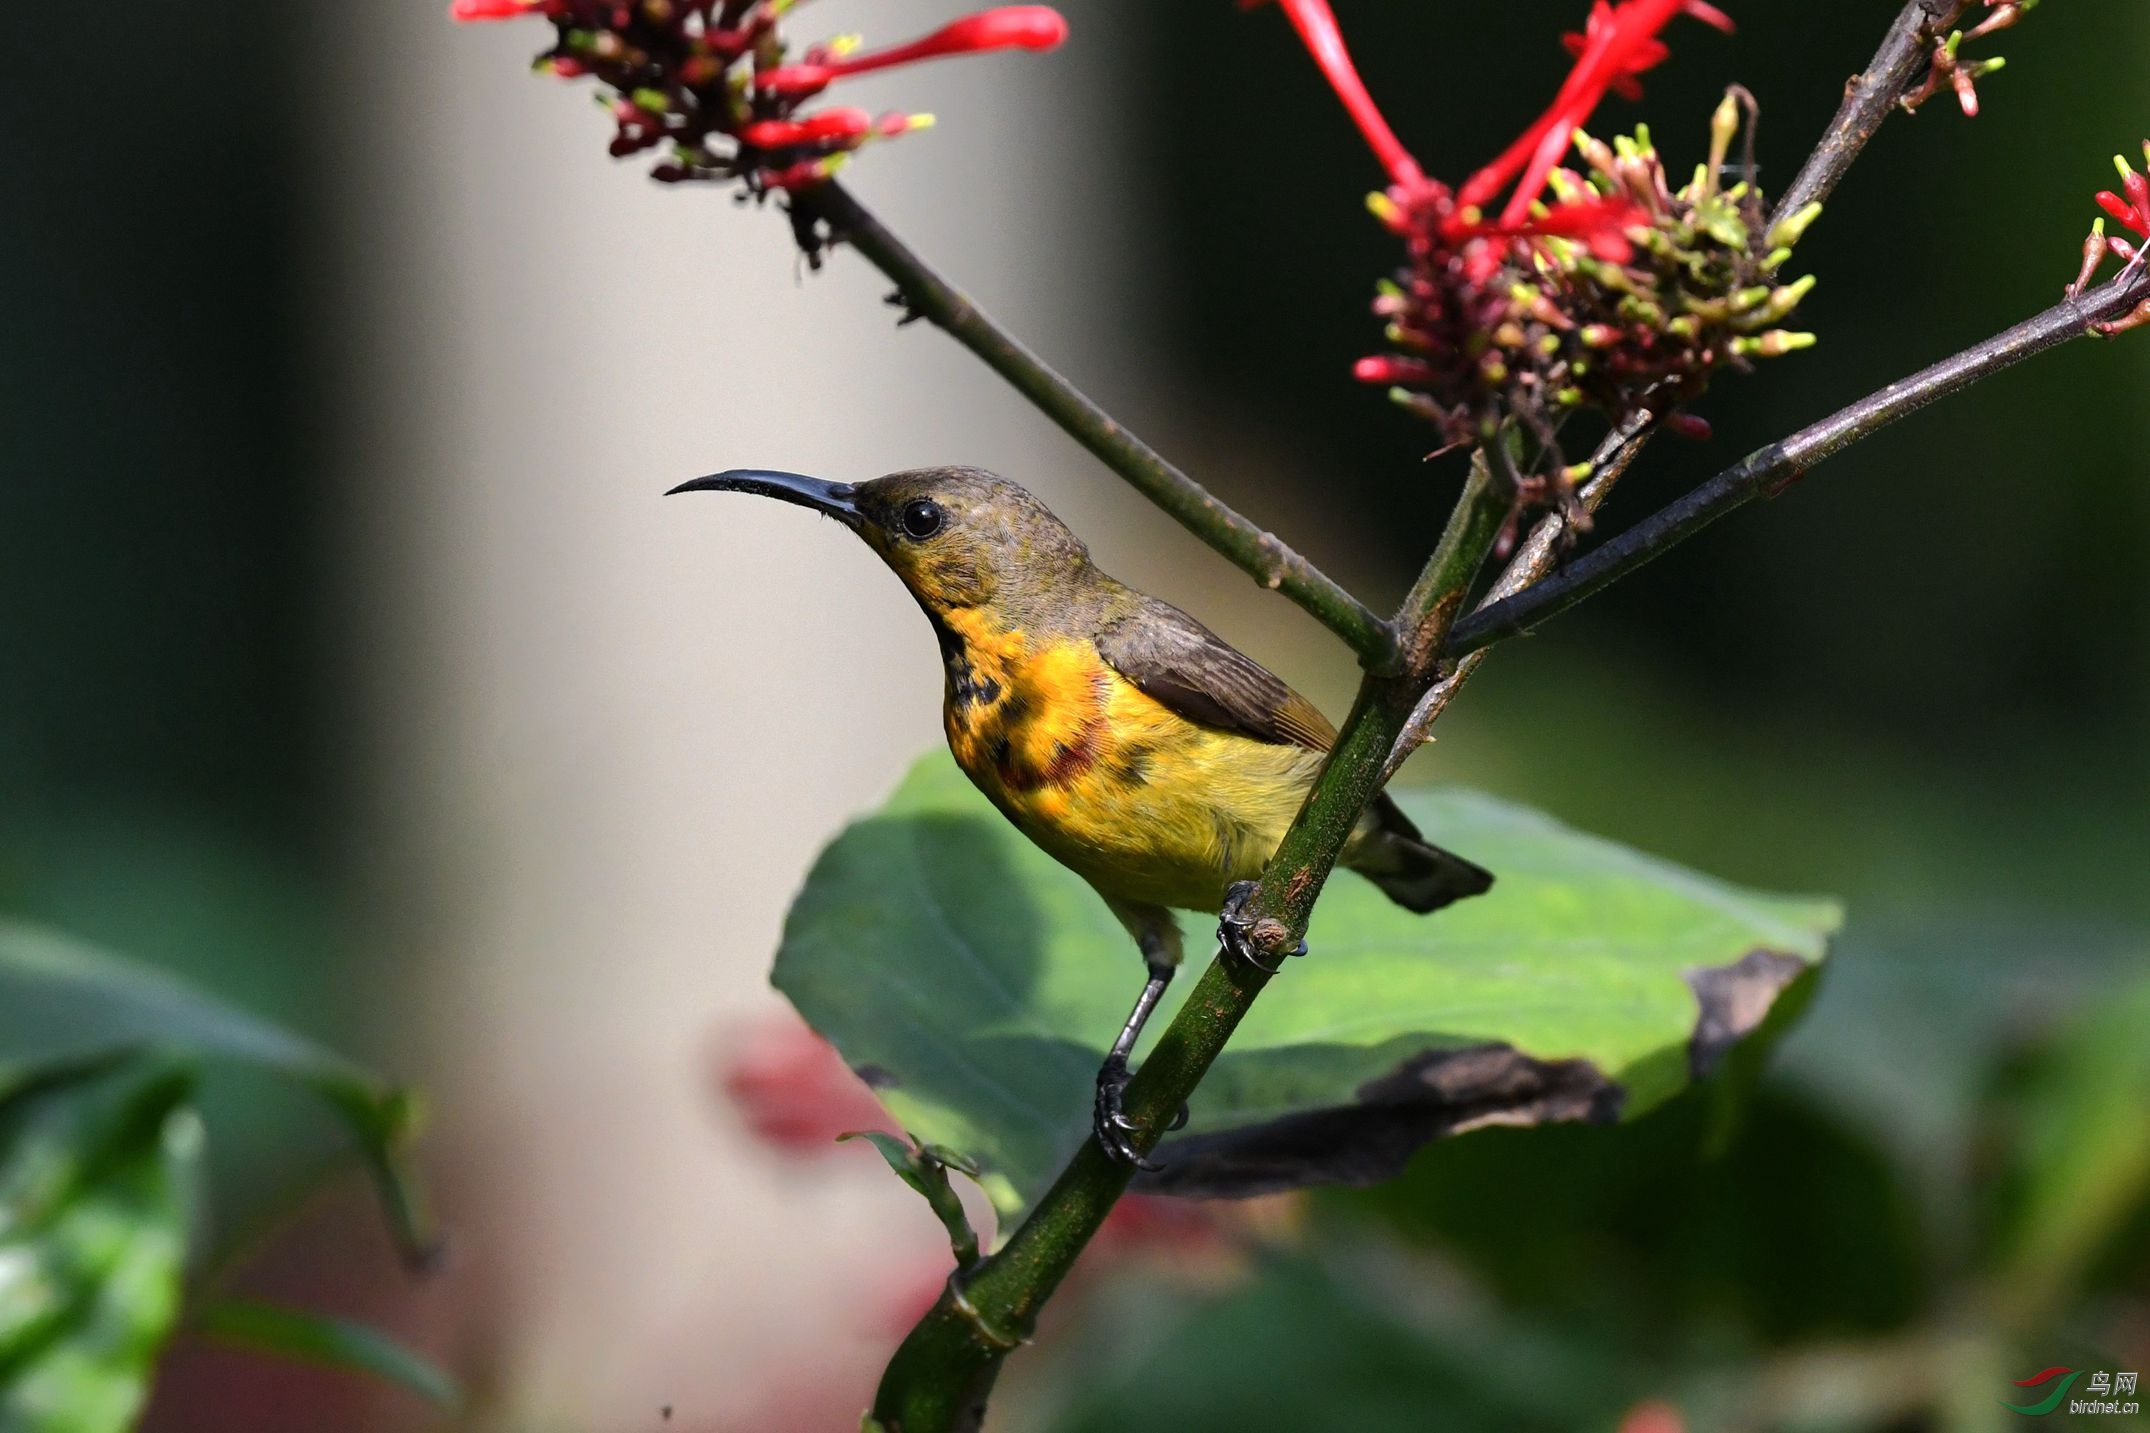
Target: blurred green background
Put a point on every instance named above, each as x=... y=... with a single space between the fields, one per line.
x=1920 y=681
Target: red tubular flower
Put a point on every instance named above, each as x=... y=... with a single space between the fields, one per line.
x=1382 y=368
x=801 y=174
x=1618 y=44
x=2128 y=214
x=1316 y=24
x=2130 y=209
x=467 y=10
x=829 y=124
x=706 y=79
x=1011 y=27
x=2133 y=211
x=1599 y=223
x=1607 y=288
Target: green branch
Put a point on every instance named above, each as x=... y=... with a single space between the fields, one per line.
x=1534 y=557
x=1256 y=551
x=940 y=1377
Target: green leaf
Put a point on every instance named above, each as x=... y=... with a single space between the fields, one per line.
x=97 y=1188
x=65 y=1006
x=1720 y=219
x=1671 y=1232
x=308 y=1337
x=925 y=1168
x=2068 y=1126
x=1307 y=1346
x=979 y=983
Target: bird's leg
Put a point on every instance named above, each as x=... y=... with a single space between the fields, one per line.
x=1235 y=930
x=1157 y=934
x=1109 y=1121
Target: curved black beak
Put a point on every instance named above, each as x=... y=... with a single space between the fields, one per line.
x=816 y=493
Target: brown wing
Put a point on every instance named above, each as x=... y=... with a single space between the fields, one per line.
x=1192 y=670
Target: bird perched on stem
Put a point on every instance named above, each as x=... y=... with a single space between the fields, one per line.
x=1138 y=748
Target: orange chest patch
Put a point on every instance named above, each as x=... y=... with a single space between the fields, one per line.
x=1026 y=718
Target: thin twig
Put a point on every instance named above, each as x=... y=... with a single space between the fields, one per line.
x=1533 y=559
x=1869 y=99
x=1771 y=469
x=1258 y=552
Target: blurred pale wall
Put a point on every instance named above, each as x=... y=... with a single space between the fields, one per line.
x=601 y=733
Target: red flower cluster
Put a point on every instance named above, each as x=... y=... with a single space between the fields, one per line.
x=2131 y=209
x=1617 y=45
x=710 y=78
x=1609 y=289
x=1947 y=69
x=2134 y=210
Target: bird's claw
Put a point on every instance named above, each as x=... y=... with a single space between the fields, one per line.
x=1235 y=930
x=912 y=312
x=1109 y=1121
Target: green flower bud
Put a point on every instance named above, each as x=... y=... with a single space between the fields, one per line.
x=1788 y=232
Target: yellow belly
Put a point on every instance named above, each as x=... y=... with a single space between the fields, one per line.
x=1147 y=806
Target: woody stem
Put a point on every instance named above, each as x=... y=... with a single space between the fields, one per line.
x=1869 y=99
x=1253 y=549
x=941 y=1375
x=1534 y=558
x=1771 y=469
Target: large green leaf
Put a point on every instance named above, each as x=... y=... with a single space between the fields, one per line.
x=975 y=984
x=66 y=1007
x=1313 y=1345
x=1657 y=1234
x=307 y=1337
x=97 y=1181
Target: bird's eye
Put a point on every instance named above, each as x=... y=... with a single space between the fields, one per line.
x=922 y=519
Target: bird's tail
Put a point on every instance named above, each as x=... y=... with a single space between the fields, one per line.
x=1409 y=869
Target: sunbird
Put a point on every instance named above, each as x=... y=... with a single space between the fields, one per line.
x=1135 y=746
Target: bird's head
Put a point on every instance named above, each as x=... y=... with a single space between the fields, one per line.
x=958 y=537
